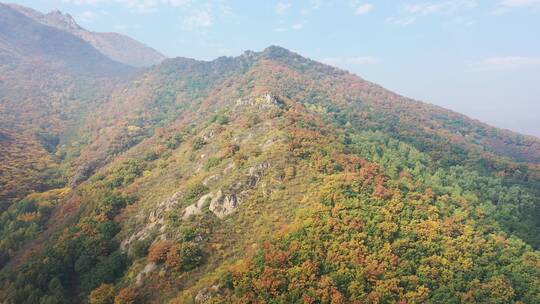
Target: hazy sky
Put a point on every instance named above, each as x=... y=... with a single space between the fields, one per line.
x=481 y=58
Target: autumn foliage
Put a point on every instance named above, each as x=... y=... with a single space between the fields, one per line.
x=158 y=251
x=267 y=178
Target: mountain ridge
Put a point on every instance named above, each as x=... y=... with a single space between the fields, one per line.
x=116 y=46
x=262 y=178
x=29 y=40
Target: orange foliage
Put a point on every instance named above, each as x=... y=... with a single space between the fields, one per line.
x=158 y=251
x=104 y=294
x=127 y=296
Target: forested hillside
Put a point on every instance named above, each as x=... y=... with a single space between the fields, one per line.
x=49 y=81
x=264 y=178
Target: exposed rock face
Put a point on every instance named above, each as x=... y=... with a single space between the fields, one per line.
x=257 y=172
x=157 y=215
x=197 y=208
x=155 y=220
x=147 y=269
x=59 y=20
x=208 y=136
x=205 y=294
x=225 y=202
x=211 y=179
x=223 y=205
x=266 y=101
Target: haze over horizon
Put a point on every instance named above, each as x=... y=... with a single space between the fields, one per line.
x=479 y=59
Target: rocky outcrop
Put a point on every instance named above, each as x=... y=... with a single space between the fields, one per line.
x=157 y=215
x=266 y=101
x=155 y=220
x=206 y=294
x=208 y=135
x=225 y=204
x=147 y=269
x=225 y=201
x=256 y=173
x=197 y=208
x=221 y=203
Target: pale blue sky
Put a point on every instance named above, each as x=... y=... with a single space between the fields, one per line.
x=481 y=58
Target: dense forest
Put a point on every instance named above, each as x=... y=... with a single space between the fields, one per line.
x=264 y=178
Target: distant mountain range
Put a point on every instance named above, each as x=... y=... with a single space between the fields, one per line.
x=24 y=39
x=263 y=178
x=115 y=46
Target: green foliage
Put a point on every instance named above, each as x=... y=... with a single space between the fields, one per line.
x=174 y=141
x=253 y=119
x=25 y=219
x=140 y=248
x=226 y=280
x=81 y=257
x=151 y=156
x=356 y=252
x=220 y=119
x=125 y=174
x=212 y=162
x=106 y=270
x=104 y=294
x=188 y=233
x=198 y=143
x=368 y=197
x=48 y=141
x=185 y=256
x=194 y=192
x=514 y=208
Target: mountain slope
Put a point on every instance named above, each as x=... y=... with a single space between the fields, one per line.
x=48 y=79
x=181 y=84
x=271 y=178
x=26 y=39
x=117 y=47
